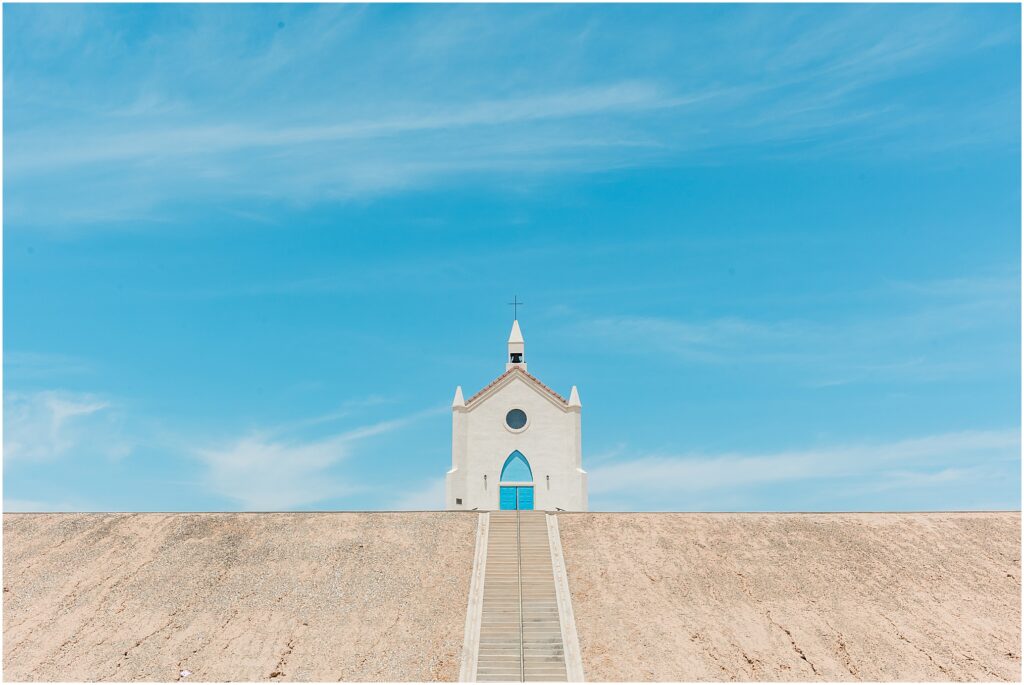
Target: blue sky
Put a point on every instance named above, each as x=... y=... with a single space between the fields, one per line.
x=249 y=251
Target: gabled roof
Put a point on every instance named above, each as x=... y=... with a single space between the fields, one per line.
x=500 y=380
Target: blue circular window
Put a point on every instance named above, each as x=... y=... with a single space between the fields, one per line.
x=515 y=419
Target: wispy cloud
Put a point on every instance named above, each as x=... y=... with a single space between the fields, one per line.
x=263 y=474
x=32 y=505
x=428 y=497
x=155 y=145
x=275 y=468
x=321 y=113
x=346 y=410
x=35 y=365
x=53 y=423
x=261 y=471
x=912 y=463
x=717 y=340
x=912 y=339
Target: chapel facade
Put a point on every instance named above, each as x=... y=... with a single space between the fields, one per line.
x=516 y=444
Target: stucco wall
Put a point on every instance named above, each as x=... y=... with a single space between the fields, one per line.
x=482 y=442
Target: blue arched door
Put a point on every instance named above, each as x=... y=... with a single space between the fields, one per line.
x=516 y=487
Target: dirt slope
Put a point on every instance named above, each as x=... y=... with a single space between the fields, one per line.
x=383 y=596
x=235 y=596
x=796 y=596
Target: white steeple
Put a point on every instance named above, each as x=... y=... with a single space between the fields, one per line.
x=516 y=348
x=516 y=443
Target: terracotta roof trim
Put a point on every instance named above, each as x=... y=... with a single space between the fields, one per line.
x=516 y=369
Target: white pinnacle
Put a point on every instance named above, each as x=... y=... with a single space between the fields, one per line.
x=458 y=401
x=516 y=336
x=574 y=398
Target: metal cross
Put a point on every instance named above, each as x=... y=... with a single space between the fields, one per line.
x=515 y=306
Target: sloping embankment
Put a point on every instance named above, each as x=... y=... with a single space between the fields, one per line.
x=796 y=596
x=235 y=596
x=383 y=596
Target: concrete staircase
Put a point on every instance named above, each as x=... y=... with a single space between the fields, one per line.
x=520 y=632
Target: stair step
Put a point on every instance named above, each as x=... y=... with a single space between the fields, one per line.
x=520 y=629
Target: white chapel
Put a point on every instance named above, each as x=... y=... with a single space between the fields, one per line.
x=516 y=443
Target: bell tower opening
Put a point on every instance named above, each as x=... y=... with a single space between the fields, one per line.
x=516 y=348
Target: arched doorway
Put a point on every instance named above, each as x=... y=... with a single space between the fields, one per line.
x=515 y=488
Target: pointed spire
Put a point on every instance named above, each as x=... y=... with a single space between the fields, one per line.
x=574 y=398
x=516 y=348
x=516 y=336
x=458 y=402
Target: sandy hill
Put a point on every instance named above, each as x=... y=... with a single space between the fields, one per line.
x=796 y=596
x=382 y=596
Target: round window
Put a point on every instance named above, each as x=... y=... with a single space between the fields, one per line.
x=515 y=419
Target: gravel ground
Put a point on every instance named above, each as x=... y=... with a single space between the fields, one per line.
x=231 y=597
x=382 y=596
x=919 y=597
